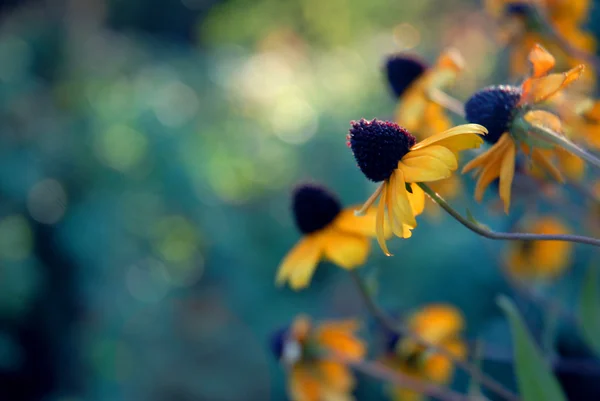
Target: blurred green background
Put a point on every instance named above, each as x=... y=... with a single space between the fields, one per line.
x=147 y=153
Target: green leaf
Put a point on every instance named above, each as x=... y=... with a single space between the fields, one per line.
x=534 y=377
x=589 y=309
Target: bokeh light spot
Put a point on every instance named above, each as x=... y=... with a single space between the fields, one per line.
x=148 y=280
x=175 y=104
x=406 y=36
x=176 y=239
x=121 y=147
x=47 y=201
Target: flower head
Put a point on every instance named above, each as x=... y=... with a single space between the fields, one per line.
x=330 y=233
x=412 y=81
x=306 y=350
x=498 y=107
x=439 y=324
x=387 y=153
x=540 y=259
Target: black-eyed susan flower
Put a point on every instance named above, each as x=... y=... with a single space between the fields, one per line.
x=440 y=325
x=411 y=81
x=497 y=107
x=540 y=260
x=521 y=29
x=388 y=153
x=306 y=350
x=330 y=233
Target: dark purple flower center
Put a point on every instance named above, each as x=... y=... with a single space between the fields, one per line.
x=402 y=70
x=493 y=107
x=378 y=146
x=314 y=207
x=278 y=340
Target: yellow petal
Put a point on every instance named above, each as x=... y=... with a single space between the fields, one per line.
x=379 y=221
x=340 y=338
x=507 y=173
x=304 y=385
x=490 y=171
x=416 y=199
x=348 y=222
x=439 y=152
x=424 y=169
x=537 y=90
x=438 y=368
x=483 y=158
x=345 y=250
x=410 y=109
x=403 y=209
x=336 y=375
x=541 y=61
x=299 y=264
x=458 y=138
x=393 y=209
x=437 y=322
x=542 y=118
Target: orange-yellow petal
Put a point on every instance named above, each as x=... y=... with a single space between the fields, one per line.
x=403 y=208
x=379 y=221
x=347 y=221
x=437 y=322
x=459 y=138
x=424 y=169
x=416 y=199
x=541 y=61
x=336 y=376
x=545 y=119
x=439 y=368
x=537 y=90
x=344 y=249
x=507 y=173
x=438 y=152
x=300 y=263
x=304 y=384
x=340 y=338
x=541 y=160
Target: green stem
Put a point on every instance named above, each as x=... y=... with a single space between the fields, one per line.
x=487 y=233
x=389 y=323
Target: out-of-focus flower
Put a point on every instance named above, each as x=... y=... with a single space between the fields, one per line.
x=308 y=352
x=330 y=233
x=440 y=325
x=411 y=81
x=521 y=29
x=540 y=259
x=388 y=153
x=581 y=119
x=497 y=107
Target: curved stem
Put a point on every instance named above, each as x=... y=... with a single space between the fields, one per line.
x=399 y=379
x=446 y=101
x=487 y=233
x=389 y=323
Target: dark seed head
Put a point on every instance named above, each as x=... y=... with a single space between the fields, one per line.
x=277 y=342
x=378 y=146
x=314 y=207
x=402 y=70
x=493 y=107
x=521 y=9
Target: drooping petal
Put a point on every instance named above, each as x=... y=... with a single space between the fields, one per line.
x=438 y=368
x=437 y=322
x=336 y=375
x=344 y=249
x=491 y=170
x=304 y=385
x=456 y=139
x=348 y=222
x=545 y=119
x=483 y=158
x=300 y=263
x=339 y=337
x=404 y=211
x=379 y=221
x=410 y=110
x=416 y=199
x=537 y=90
x=541 y=61
x=439 y=152
x=507 y=173
x=393 y=208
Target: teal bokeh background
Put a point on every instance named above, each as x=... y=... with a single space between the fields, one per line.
x=147 y=154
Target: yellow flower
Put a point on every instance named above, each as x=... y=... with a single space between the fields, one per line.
x=330 y=233
x=540 y=259
x=388 y=153
x=520 y=29
x=581 y=119
x=440 y=325
x=495 y=108
x=303 y=349
x=411 y=80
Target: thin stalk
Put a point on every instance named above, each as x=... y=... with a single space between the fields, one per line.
x=488 y=233
x=382 y=372
x=388 y=322
x=446 y=101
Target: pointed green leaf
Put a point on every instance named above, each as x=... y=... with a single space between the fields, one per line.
x=534 y=377
x=589 y=309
